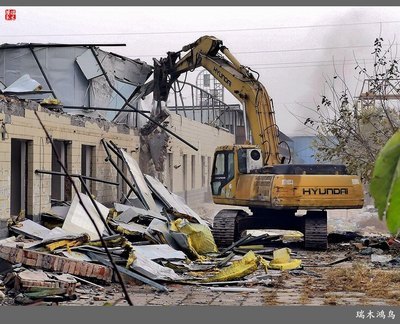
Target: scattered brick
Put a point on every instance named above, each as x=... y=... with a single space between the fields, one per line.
x=56 y=263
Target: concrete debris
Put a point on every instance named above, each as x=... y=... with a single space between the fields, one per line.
x=161 y=114
x=159 y=242
x=158 y=144
x=38 y=284
x=75 y=256
x=381 y=258
x=369 y=250
x=20 y=242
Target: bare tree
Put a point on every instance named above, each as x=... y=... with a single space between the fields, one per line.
x=352 y=129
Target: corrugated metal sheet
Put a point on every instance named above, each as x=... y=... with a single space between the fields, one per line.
x=67 y=79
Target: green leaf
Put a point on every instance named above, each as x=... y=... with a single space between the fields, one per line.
x=393 y=209
x=385 y=183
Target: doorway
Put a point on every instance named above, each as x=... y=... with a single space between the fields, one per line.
x=19 y=176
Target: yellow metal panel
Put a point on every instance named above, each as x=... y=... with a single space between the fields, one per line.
x=319 y=191
x=295 y=191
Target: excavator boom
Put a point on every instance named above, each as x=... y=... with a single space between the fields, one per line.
x=210 y=53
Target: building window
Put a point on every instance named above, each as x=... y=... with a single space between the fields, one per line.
x=203 y=171
x=185 y=176
x=87 y=160
x=60 y=186
x=209 y=166
x=170 y=172
x=206 y=80
x=193 y=171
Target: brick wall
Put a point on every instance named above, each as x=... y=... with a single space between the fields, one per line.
x=22 y=124
x=60 y=127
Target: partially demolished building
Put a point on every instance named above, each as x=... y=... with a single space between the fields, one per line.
x=65 y=86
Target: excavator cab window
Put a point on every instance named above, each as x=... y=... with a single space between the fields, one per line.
x=242 y=160
x=223 y=171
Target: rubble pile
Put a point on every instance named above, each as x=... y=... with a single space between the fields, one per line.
x=151 y=237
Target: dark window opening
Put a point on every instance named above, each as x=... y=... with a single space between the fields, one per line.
x=60 y=186
x=87 y=160
x=20 y=178
x=242 y=160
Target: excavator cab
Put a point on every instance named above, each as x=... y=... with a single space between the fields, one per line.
x=230 y=161
x=223 y=170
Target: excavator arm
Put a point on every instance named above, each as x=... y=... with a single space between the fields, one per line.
x=210 y=53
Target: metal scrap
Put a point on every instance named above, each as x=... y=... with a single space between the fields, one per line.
x=30 y=229
x=153 y=270
x=283 y=261
x=159 y=251
x=129 y=213
x=171 y=200
x=77 y=221
x=24 y=84
x=238 y=269
x=131 y=274
x=130 y=228
x=139 y=180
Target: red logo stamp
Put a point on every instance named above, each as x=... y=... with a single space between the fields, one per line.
x=10 y=14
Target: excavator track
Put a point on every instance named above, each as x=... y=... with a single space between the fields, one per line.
x=315 y=231
x=224 y=227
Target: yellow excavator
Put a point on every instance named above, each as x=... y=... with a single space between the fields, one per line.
x=255 y=175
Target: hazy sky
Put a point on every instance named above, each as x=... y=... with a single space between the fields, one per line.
x=291 y=47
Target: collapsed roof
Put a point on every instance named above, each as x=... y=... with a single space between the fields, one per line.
x=70 y=73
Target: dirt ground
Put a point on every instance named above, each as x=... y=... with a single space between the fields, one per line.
x=357 y=281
